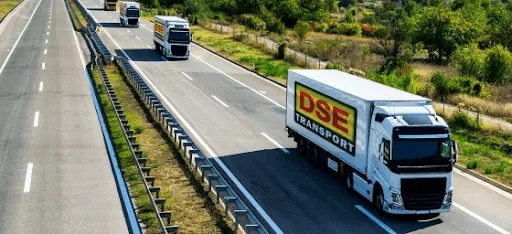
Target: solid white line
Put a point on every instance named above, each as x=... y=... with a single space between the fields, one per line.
x=40 y=86
x=149 y=47
x=275 y=143
x=239 y=82
x=36 y=119
x=493 y=226
x=28 y=178
x=183 y=73
x=128 y=30
x=47 y=33
x=215 y=157
x=18 y=40
x=483 y=183
x=137 y=38
x=44 y=66
x=216 y=98
x=375 y=219
x=46 y=41
x=45 y=51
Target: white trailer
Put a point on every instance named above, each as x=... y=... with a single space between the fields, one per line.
x=129 y=14
x=388 y=145
x=172 y=37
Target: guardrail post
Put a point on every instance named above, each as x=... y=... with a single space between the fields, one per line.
x=220 y=188
x=227 y=202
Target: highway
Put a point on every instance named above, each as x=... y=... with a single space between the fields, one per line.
x=237 y=119
x=55 y=176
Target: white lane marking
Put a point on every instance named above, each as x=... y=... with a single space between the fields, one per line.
x=483 y=183
x=243 y=69
x=239 y=82
x=481 y=219
x=215 y=157
x=28 y=178
x=188 y=77
x=221 y=102
x=50 y=22
x=375 y=219
x=50 y=16
x=147 y=28
x=36 y=119
x=128 y=30
x=149 y=47
x=46 y=41
x=40 y=86
x=48 y=26
x=45 y=51
x=43 y=66
x=137 y=38
x=18 y=40
x=263 y=92
x=275 y=143
x=47 y=33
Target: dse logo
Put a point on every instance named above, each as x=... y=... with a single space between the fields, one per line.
x=328 y=118
x=159 y=28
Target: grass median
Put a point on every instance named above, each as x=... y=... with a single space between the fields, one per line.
x=482 y=149
x=192 y=208
x=7 y=5
x=81 y=18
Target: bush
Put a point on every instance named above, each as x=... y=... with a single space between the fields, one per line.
x=469 y=61
x=405 y=82
x=473 y=164
x=281 y=50
x=320 y=27
x=138 y=129
x=461 y=120
x=273 y=23
x=498 y=65
x=501 y=167
x=256 y=24
x=349 y=29
x=488 y=170
x=368 y=19
x=334 y=66
x=445 y=85
x=368 y=30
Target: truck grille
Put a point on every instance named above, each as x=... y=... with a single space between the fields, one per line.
x=133 y=21
x=179 y=50
x=423 y=194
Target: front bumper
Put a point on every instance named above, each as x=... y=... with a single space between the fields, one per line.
x=415 y=212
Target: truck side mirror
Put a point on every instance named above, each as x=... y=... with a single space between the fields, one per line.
x=455 y=151
x=191 y=37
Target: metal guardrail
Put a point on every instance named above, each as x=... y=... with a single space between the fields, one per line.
x=137 y=155
x=225 y=195
x=233 y=206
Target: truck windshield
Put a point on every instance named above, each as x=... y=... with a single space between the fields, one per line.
x=179 y=36
x=132 y=13
x=414 y=149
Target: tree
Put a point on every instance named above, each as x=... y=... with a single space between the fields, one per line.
x=498 y=65
x=301 y=30
x=469 y=61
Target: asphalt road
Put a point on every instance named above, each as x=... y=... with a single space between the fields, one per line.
x=55 y=176
x=238 y=118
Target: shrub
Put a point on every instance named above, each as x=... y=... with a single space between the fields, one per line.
x=368 y=30
x=498 y=65
x=469 y=61
x=281 y=50
x=320 y=27
x=501 y=167
x=445 y=85
x=405 y=82
x=256 y=23
x=368 y=19
x=461 y=120
x=488 y=170
x=334 y=66
x=138 y=129
x=301 y=30
x=273 y=23
x=349 y=29
x=473 y=164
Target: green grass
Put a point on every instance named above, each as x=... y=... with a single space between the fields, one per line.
x=192 y=209
x=7 y=5
x=246 y=55
x=79 y=14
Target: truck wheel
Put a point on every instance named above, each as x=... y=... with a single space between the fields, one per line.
x=301 y=147
x=378 y=199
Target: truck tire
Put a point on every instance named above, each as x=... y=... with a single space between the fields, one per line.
x=301 y=146
x=378 y=198
x=348 y=180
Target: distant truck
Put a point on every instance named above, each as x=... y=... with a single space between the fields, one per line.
x=110 y=5
x=172 y=37
x=129 y=13
x=388 y=145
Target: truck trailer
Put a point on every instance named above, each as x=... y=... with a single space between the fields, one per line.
x=129 y=13
x=388 y=145
x=110 y=5
x=172 y=37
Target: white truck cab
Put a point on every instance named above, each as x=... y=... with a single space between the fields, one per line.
x=129 y=14
x=172 y=37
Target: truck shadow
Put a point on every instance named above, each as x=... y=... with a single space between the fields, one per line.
x=112 y=25
x=146 y=55
x=306 y=197
x=95 y=9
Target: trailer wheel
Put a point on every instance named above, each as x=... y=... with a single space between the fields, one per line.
x=349 y=180
x=301 y=147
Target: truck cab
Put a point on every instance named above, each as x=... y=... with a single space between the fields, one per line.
x=411 y=156
x=110 y=5
x=172 y=37
x=129 y=14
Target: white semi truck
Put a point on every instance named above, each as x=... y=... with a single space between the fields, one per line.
x=388 y=145
x=129 y=13
x=172 y=37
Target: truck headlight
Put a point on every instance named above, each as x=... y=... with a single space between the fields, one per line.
x=448 y=198
x=396 y=197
